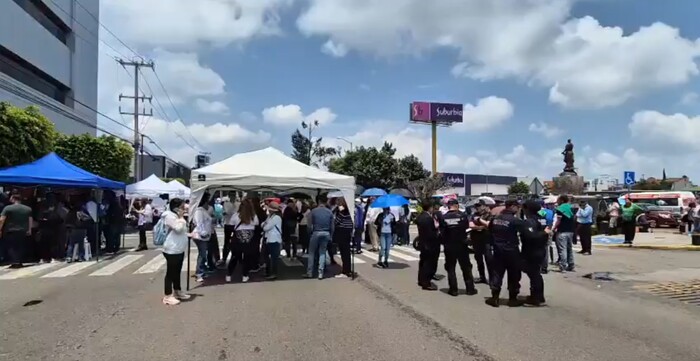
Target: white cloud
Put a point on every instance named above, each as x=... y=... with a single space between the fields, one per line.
x=333 y=49
x=583 y=63
x=548 y=131
x=215 y=137
x=184 y=24
x=291 y=114
x=690 y=98
x=211 y=107
x=676 y=133
x=488 y=113
x=184 y=76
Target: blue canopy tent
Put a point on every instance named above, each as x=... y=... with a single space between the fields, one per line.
x=54 y=171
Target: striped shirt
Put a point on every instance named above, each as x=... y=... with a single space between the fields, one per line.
x=343 y=220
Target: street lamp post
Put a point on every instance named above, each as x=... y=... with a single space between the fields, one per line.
x=346 y=141
x=310 y=126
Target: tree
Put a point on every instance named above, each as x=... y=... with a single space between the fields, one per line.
x=410 y=169
x=105 y=156
x=424 y=189
x=310 y=153
x=519 y=188
x=180 y=180
x=26 y=135
x=370 y=166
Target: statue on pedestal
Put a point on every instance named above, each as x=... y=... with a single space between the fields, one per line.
x=568 y=154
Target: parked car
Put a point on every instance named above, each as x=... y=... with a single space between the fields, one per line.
x=658 y=217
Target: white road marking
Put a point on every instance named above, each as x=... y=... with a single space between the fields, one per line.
x=117 y=265
x=152 y=266
x=28 y=271
x=403 y=256
x=69 y=270
x=371 y=257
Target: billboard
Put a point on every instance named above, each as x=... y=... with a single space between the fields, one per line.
x=426 y=112
x=455 y=180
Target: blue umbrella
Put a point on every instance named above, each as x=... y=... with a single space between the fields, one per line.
x=390 y=200
x=373 y=192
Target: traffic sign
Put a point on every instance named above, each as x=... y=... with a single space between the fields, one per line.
x=629 y=178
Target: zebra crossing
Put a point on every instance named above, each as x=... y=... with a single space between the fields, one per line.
x=152 y=262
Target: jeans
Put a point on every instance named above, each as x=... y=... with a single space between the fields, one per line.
x=142 y=237
x=228 y=234
x=213 y=254
x=584 y=234
x=342 y=237
x=304 y=237
x=49 y=246
x=240 y=253
x=318 y=245
x=271 y=258
x=172 y=272
x=565 y=241
x=15 y=242
x=385 y=246
x=203 y=250
x=357 y=240
x=76 y=237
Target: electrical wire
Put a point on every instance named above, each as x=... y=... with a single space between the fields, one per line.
x=107 y=29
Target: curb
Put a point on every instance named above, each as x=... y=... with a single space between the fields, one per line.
x=464 y=345
x=659 y=247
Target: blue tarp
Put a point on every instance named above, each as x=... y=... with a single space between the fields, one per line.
x=54 y=171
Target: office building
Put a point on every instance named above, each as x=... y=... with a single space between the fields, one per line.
x=163 y=167
x=49 y=58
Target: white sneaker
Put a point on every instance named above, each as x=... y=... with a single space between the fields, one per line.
x=245 y=279
x=228 y=278
x=200 y=279
x=170 y=301
x=341 y=275
x=182 y=295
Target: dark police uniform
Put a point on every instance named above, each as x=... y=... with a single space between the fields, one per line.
x=481 y=243
x=429 y=246
x=506 y=256
x=533 y=250
x=454 y=225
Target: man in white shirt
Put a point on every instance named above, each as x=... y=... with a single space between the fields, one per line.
x=148 y=212
x=372 y=214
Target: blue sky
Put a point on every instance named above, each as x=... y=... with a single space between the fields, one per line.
x=531 y=73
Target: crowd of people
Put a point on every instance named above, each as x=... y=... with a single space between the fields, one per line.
x=58 y=226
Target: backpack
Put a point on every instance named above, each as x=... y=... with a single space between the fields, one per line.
x=160 y=232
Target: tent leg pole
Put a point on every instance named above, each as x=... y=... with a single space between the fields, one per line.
x=189 y=244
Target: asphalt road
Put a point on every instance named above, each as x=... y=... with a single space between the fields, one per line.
x=112 y=311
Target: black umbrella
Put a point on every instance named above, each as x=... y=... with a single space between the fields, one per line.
x=402 y=191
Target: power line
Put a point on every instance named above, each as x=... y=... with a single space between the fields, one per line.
x=107 y=29
x=175 y=108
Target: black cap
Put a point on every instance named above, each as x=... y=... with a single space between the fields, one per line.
x=511 y=202
x=452 y=202
x=533 y=206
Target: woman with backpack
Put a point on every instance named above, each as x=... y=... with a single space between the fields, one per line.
x=244 y=223
x=273 y=239
x=174 y=247
x=202 y=222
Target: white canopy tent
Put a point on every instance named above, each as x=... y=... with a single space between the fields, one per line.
x=151 y=187
x=269 y=170
x=184 y=191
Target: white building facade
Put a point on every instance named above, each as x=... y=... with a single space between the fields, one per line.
x=49 y=58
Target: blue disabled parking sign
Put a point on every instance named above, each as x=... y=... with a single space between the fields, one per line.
x=629 y=178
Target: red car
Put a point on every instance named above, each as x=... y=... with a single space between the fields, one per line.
x=658 y=217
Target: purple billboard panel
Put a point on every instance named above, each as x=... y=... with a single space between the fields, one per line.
x=455 y=180
x=420 y=112
x=446 y=113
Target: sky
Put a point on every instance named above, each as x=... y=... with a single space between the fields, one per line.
x=621 y=78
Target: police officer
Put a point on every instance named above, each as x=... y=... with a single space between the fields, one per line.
x=481 y=240
x=428 y=243
x=504 y=230
x=454 y=225
x=534 y=237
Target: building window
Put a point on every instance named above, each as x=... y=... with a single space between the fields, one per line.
x=19 y=69
x=44 y=16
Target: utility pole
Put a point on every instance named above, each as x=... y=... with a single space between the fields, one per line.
x=138 y=140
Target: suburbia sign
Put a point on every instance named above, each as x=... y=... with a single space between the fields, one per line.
x=455 y=180
x=436 y=112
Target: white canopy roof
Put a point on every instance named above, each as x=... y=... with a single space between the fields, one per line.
x=269 y=169
x=184 y=191
x=150 y=187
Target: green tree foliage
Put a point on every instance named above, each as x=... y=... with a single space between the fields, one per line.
x=26 y=135
x=180 y=180
x=519 y=188
x=105 y=156
x=319 y=155
x=374 y=167
x=425 y=188
x=645 y=185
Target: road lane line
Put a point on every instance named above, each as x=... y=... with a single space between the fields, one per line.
x=398 y=254
x=69 y=270
x=153 y=265
x=117 y=265
x=28 y=271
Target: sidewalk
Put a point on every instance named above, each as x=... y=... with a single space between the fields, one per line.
x=658 y=241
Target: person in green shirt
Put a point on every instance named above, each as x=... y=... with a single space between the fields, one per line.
x=630 y=211
x=15 y=227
